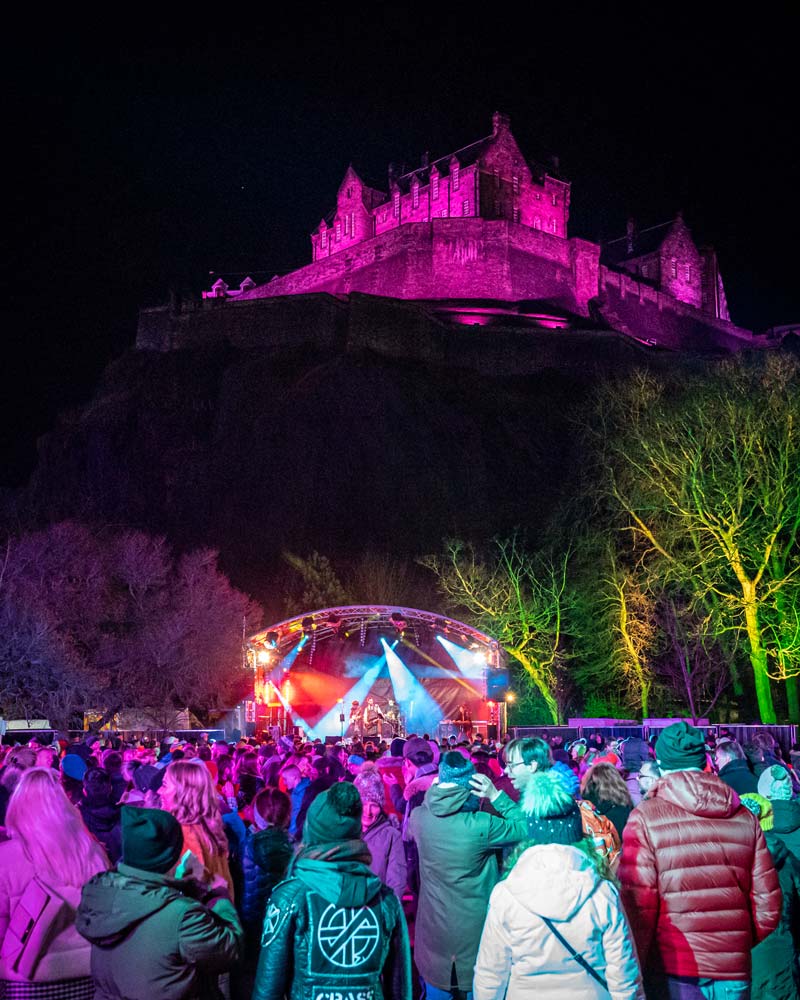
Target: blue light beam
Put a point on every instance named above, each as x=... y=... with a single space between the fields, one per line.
x=470 y=662
x=423 y=713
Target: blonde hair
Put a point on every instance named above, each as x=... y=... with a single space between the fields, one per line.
x=51 y=831
x=188 y=793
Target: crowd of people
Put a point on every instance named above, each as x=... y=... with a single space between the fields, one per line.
x=452 y=870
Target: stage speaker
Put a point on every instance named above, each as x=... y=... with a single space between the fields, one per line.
x=496 y=684
x=491 y=732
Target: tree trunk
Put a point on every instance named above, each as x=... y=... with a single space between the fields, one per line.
x=792 y=699
x=758 y=659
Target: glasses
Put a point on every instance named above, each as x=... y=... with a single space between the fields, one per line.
x=511 y=765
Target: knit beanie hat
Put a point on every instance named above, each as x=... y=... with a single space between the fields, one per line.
x=775 y=783
x=74 y=766
x=396 y=746
x=681 y=746
x=144 y=776
x=151 y=839
x=455 y=769
x=760 y=807
x=553 y=814
x=370 y=788
x=334 y=815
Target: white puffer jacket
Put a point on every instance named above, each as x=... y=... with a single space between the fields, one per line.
x=520 y=955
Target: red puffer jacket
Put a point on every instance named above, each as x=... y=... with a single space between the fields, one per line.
x=698 y=882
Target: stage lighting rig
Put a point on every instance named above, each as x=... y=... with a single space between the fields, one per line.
x=399 y=622
x=309 y=625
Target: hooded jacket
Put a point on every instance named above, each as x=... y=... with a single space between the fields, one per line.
x=266 y=857
x=520 y=954
x=152 y=937
x=697 y=879
x=388 y=857
x=786 y=823
x=333 y=930
x=776 y=974
x=458 y=870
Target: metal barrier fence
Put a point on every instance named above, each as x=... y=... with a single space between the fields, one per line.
x=785 y=735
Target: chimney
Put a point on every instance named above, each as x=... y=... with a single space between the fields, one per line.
x=630 y=232
x=500 y=123
x=393 y=173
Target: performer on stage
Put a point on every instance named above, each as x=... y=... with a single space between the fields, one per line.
x=354 y=722
x=372 y=714
x=392 y=717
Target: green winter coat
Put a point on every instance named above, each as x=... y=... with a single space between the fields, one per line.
x=151 y=936
x=458 y=870
x=776 y=975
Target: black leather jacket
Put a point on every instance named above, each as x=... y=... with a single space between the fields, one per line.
x=333 y=931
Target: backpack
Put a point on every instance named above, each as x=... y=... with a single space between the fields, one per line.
x=602 y=831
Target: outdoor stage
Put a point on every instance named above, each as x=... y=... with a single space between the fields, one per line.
x=444 y=677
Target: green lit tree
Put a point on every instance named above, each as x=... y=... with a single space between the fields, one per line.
x=520 y=599
x=705 y=478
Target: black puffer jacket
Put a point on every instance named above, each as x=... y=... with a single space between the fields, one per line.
x=776 y=974
x=333 y=930
x=101 y=817
x=266 y=857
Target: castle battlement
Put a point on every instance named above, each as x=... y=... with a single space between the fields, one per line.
x=485 y=223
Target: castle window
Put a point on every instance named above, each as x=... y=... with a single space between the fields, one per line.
x=537 y=195
x=515 y=215
x=435 y=187
x=674 y=268
x=688 y=273
x=552 y=225
x=396 y=204
x=324 y=239
x=338 y=231
x=465 y=207
x=705 y=297
x=415 y=195
x=352 y=223
x=346 y=225
x=537 y=223
x=644 y=270
x=349 y=192
x=497 y=176
x=555 y=199
x=456 y=172
x=515 y=184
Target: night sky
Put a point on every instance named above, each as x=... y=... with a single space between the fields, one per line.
x=144 y=159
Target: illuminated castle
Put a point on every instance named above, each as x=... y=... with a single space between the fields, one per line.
x=488 y=232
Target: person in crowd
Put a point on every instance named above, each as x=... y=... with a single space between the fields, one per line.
x=776 y=972
x=418 y=773
x=605 y=788
x=112 y=765
x=73 y=771
x=100 y=813
x=188 y=793
x=635 y=754
x=380 y=833
x=158 y=927
x=49 y=856
x=733 y=768
x=556 y=895
x=647 y=777
x=19 y=760
x=775 y=784
x=457 y=845
x=325 y=771
x=331 y=927
x=267 y=854
x=698 y=882
x=296 y=786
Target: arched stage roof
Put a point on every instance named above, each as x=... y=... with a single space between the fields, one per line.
x=330 y=622
x=318 y=664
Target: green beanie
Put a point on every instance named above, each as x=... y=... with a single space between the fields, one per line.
x=151 y=839
x=679 y=747
x=334 y=815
